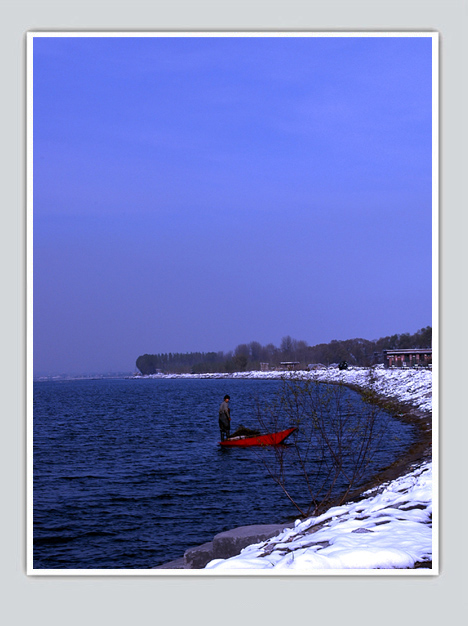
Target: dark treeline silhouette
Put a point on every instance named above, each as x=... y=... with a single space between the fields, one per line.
x=249 y=356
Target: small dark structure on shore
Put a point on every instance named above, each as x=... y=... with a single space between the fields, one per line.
x=289 y=365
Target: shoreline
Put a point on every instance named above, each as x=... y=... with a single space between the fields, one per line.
x=419 y=453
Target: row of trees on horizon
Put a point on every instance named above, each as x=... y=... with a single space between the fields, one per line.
x=249 y=356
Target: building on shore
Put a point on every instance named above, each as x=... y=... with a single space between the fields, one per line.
x=289 y=365
x=414 y=357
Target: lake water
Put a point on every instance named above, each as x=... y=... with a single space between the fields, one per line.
x=128 y=473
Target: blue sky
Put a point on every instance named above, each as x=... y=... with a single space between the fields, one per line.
x=194 y=193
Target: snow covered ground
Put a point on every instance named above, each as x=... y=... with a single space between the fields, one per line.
x=388 y=531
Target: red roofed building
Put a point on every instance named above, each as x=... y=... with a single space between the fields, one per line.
x=414 y=357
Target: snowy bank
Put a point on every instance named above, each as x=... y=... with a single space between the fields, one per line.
x=389 y=530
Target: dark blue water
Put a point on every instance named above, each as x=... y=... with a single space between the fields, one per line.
x=129 y=473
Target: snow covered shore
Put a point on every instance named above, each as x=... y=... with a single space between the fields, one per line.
x=389 y=530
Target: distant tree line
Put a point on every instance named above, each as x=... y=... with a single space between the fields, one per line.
x=249 y=356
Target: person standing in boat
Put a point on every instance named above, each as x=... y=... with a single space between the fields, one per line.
x=225 y=418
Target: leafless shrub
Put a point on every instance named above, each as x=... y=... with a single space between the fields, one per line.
x=331 y=450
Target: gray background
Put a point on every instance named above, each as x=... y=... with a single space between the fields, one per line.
x=176 y=600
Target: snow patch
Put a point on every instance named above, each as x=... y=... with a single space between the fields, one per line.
x=391 y=530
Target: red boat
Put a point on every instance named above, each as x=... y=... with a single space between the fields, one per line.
x=270 y=439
